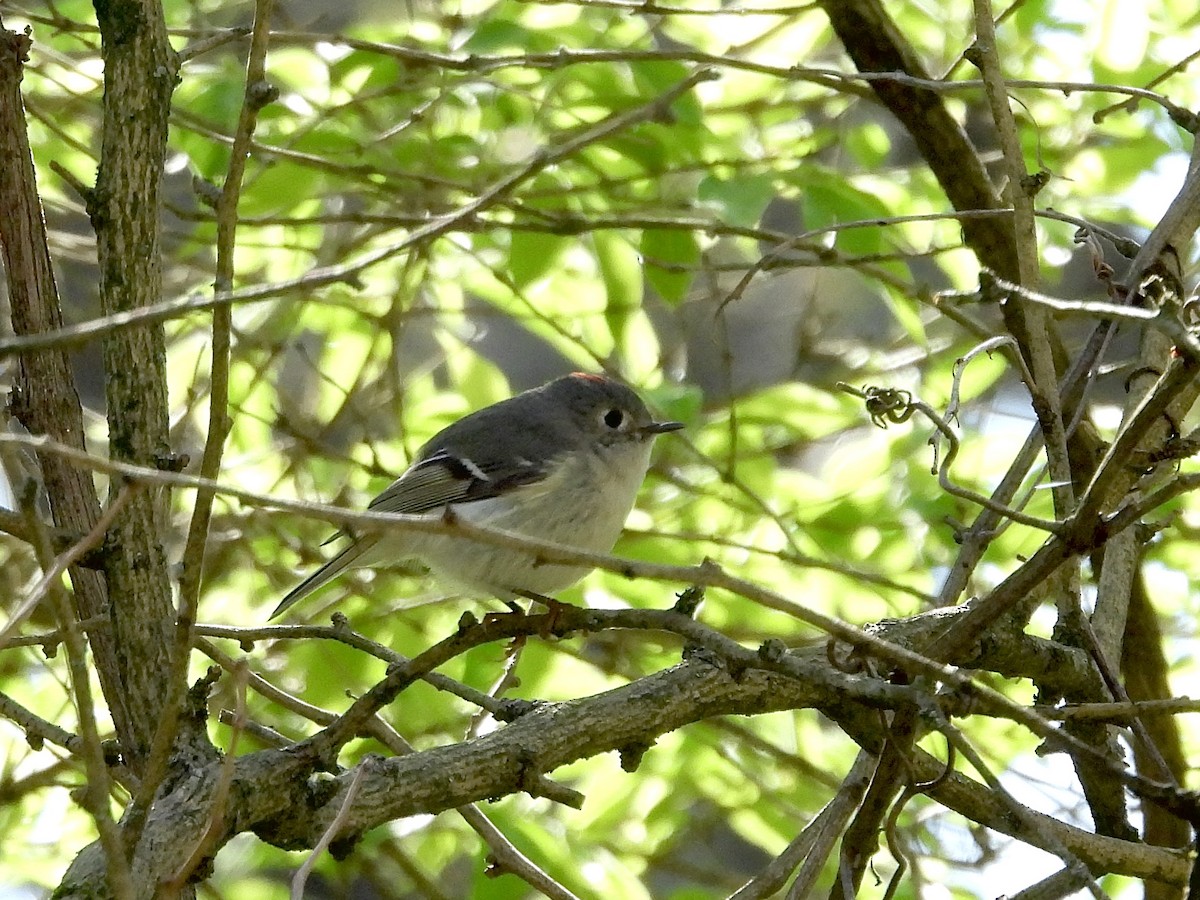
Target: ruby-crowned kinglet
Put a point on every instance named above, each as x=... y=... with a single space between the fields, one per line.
x=562 y=463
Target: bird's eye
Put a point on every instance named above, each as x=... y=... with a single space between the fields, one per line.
x=613 y=418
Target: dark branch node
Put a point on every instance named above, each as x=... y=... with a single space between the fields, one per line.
x=511 y=710
x=527 y=769
x=113 y=755
x=1185 y=119
x=260 y=94
x=700 y=653
x=772 y=650
x=17 y=46
x=687 y=602
x=853 y=663
x=342 y=847
x=197 y=698
x=1033 y=184
x=322 y=787
x=493 y=867
x=171 y=462
x=632 y=754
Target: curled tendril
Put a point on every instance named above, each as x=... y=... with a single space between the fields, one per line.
x=884 y=405
x=853 y=663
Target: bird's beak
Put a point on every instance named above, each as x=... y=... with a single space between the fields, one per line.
x=661 y=427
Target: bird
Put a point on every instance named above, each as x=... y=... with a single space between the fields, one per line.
x=562 y=462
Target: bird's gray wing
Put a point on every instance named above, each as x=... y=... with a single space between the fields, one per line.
x=439 y=479
x=444 y=478
x=344 y=560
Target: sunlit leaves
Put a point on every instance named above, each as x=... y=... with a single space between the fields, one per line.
x=738 y=200
x=670 y=257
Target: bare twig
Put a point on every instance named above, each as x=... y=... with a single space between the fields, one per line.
x=98 y=786
x=300 y=879
x=1034 y=325
x=215 y=827
x=506 y=857
x=342 y=633
x=64 y=561
x=508 y=678
x=436 y=228
x=1122 y=712
x=179 y=307
x=505 y=853
x=705 y=575
x=890 y=405
x=37 y=730
x=264 y=688
x=815 y=841
x=779 y=252
x=835 y=78
x=212 y=42
x=1021 y=812
x=262 y=733
x=15 y=524
x=255 y=97
x=1164 y=318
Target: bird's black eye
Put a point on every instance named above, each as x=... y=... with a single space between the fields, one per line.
x=613 y=418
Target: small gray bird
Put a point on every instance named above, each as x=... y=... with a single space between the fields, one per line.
x=562 y=463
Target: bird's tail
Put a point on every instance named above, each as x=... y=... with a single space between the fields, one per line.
x=345 y=559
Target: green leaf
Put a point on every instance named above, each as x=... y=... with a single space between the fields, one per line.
x=670 y=258
x=532 y=254
x=622 y=274
x=740 y=200
x=908 y=317
x=496 y=35
x=829 y=202
x=656 y=77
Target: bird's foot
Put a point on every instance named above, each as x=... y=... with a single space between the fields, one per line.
x=556 y=611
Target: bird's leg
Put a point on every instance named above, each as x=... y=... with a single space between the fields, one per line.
x=555 y=609
x=514 y=608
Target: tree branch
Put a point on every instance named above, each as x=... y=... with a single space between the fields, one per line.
x=44 y=399
x=139 y=78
